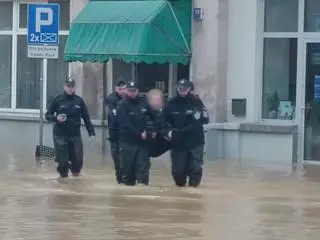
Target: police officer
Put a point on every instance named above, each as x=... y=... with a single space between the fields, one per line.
x=112 y=101
x=133 y=138
x=66 y=111
x=186 y=117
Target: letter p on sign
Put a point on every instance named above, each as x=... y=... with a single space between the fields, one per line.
x=43 y=22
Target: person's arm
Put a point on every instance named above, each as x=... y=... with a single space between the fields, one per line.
x=51 y=111
x=111 y=103
x=204 y=112
x=125 y=121
x=86 y=118
x=167 y=121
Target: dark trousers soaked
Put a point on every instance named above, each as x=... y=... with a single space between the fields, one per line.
x=187 y=164
x=114 y=147
x=135 y=163
x=69 y=154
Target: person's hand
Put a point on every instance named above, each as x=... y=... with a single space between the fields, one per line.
x=154 y=135
x=61 y=117
x=92 y=138
x=144 y=135
x=169 y=136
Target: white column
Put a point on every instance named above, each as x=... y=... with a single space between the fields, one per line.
x=45 y=81
x=110 y=76
x=14 y=56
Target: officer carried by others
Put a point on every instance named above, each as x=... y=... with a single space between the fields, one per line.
x=113 y=101
x=66 y=111
x=134 y=138
x=186 y=115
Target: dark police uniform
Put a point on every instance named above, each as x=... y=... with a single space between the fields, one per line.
x=134 y=157
x=112 y=101
x=186 y=116
x=67 y=135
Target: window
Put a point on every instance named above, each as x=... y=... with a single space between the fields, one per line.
x=279 y=78
x=6 y=16
x=5 y=70
x=28 y=70
x=281 y=15
x=28 y=77
x=312 y=16
x=64 y=14
x=57 y=72
x=6 y=9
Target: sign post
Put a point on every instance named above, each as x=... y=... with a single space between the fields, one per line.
x=43 y=43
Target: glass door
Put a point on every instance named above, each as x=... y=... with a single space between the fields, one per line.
x=312 y=102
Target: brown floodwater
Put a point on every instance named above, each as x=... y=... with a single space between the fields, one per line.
x=237 y=200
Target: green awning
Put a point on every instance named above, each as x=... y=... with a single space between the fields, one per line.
x=132 y=31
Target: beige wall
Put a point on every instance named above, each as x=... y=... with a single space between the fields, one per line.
x=245 y=57
x=89 y=76
x=209 y=56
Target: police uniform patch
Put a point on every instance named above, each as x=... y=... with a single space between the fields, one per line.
x=205 y=114
x=197 y=115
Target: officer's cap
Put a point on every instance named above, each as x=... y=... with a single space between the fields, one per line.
x=132 y=84
x=121 y=83
x=70 y=82
x=184 y=83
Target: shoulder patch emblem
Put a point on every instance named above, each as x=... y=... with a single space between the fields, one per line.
x=197 y=115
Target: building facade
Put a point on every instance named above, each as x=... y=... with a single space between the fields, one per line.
x=255 y=63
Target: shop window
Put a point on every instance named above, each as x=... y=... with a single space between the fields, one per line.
x=6 y=16
x=5 y=70
x=281 y=15
x=64 y=14
x=312 y=16
x=279 y=78
x=57 y=72
x=28 y=77
x=153 y=76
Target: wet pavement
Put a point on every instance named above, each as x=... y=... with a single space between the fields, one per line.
x=239 y=201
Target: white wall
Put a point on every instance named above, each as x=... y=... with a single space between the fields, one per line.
x=243 y=64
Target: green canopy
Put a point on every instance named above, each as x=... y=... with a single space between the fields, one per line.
x=132 y=31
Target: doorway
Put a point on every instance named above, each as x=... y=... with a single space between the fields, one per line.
x=312 y=102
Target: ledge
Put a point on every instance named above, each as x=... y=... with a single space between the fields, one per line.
x=239 y=127
x=34 y=117
x=254 y=127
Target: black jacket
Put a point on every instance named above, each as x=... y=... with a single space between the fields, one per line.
x=132 y=120
x=113 y=101
x=75 y=109
x=186 y=116
x=159 y=145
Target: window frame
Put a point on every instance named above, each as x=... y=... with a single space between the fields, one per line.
x=15 y=32
x=299 y=35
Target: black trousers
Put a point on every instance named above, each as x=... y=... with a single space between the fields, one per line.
x=135 y=163
x=69 y=154
x=187 y=164
x=114 y=148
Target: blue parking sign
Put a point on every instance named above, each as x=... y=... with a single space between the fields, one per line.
x=43 y=24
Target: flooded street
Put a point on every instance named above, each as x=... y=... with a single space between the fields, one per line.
x=236 y=201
